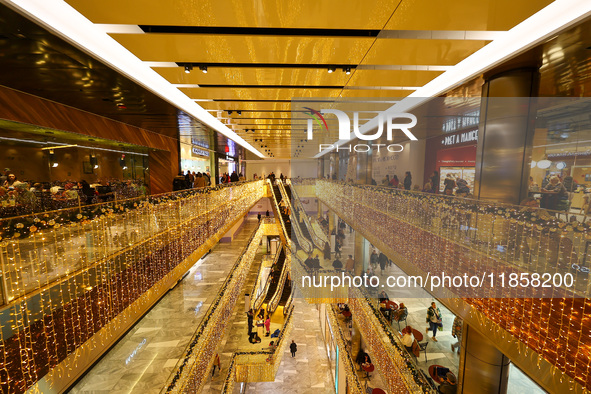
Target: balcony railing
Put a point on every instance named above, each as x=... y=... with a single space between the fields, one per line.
x=542 y=255
x=259 y=366
x=68 y=274
x=193 y=368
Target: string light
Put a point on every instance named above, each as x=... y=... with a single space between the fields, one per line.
x=453 y=235
x=69 y=273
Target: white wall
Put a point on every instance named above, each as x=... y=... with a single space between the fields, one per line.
x=289 y=168
x=412 y=159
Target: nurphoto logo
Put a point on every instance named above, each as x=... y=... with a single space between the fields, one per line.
x=345 y=129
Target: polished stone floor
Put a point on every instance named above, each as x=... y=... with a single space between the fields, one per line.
x=308 y=372
x=144 y=358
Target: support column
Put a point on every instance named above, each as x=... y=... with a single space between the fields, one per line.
x=507 y=117
x=359 y=253
x=485 y=368
x=364 y=167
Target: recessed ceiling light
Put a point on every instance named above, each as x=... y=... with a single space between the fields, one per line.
x=203 y=69
x=331 y=70
x=188 y=69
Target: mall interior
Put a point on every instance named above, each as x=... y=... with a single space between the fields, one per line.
x=380 y=196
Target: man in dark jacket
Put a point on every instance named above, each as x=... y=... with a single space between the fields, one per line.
x=293 y=348
x=407 y=181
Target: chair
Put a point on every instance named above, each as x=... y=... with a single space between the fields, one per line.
x=423 y=346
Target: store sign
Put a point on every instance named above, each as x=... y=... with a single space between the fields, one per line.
x=460 y=138
x=197 y=151
x=461 y=122
x=569 y=154
x=198 y=142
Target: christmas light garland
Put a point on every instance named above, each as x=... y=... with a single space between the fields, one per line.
x=442 y=234
x=67 y=274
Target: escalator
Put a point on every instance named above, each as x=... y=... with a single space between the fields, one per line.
x=297 y=214
x=286 y=218
x=274 y=277
x=286 y=293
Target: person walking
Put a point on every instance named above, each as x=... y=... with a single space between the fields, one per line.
x=259 y=216
x=456 y=332
x=383 y=261
x=216 y=363
x=350 y=265
x=293 y=347
x=434 y=320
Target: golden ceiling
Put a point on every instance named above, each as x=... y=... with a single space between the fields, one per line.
x=262 y=54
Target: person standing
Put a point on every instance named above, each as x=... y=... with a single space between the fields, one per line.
x=350 y=265
x=407 y=181
x=259 y=216
x=456 y=332
x=250 y=317
x=337 y=265
x=373 y=259
x=435 y=182
x=434 y=320
x=293 y=347
x=268 y=326
x=216 y=363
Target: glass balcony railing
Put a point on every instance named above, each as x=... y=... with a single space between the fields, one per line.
x=70 y=273
x=192 y=370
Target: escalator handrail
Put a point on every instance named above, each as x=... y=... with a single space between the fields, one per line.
x=256 y=304
x=274 y=301
x=302 y=241
x=276 y=206
x=318 y=241
x=257 y=281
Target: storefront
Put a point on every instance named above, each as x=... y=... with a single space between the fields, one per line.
x=196 y=156
x=452 y=154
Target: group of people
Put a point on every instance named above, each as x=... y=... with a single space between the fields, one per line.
x=263 y=326
x=191 y=180
x=394 y=182
x=18 y=197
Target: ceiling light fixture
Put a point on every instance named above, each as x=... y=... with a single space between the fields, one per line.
x=203 y=69
x=64 y=21
x=229 y=112
x=239 y=112
x=188 y=69
x=331 y=70
x=347 y=70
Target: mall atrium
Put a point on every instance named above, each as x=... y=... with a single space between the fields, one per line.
x=312 y=196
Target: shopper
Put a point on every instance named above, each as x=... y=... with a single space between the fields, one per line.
x=268 y=326
x=456 y=332
x=435 y=182
x=394 y=182
x=407 y=181
x=449 y=185
x=448 y=385
x=337 y=265
x=383 y=261
x=407 y=338
x=373 y=259
x=400 y=314
x=434 y=320
x=216 y=363
x=293 y=347
x=350 y=265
